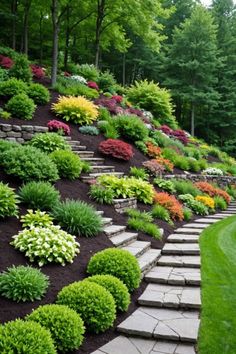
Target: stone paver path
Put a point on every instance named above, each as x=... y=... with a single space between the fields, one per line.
x=168 y=319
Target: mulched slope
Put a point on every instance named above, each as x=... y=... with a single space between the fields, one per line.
x=61 y=276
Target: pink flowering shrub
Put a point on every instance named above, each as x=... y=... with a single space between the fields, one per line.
x=117 y=98
x=92 y=85
x=56 y=125
x=178 y=134
x=37 y=71
x=116 y=148
x=154 y=167
x=6 y=62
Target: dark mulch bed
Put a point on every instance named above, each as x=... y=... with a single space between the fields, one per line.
x=61 y=276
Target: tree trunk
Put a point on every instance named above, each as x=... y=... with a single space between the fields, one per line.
x=40 y=39
x=124 y=69
x=193 y=119
x=26 y=26
x=67 y=39
x=99 y=21
x=55 y=26
x=14 y=12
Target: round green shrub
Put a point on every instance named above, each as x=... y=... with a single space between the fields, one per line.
x=38 y=93
x=93 y=302
x=12 y=87
x=131 y=127
x=78 y=218
x=65 y=325
x=116 y=287
x=21 y=68
x=29 y=337
x=5 y=145
x=8 y=201
x=29 y=163
x=23 y=283
x=68 y=164
x=119 y=263
x=39 y=195
x=49 y=142
x=21 y=106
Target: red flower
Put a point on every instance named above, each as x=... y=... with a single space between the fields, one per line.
x=37 y=71
x=93 y=85
x=6 y=62
x=67 y=74
x=116 y=148
x=56 y=125
x=117 y=98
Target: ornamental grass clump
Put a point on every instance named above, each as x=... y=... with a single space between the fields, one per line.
x=39 y=195
x=101 y=195
x=49 y=142
x=220 y=203
x=26 y=337
x=93 y=302
x=119 y=263
x=116 y=287
x=78 y=110
x=23 y=283
x=78 y=218
x=65 y=325
x=46 y=245
x=159 y=212
x=8 y=201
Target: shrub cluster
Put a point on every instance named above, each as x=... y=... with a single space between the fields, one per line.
x=212 y=191
x=139 y=173
x=49 y=142
x=38 y=93
x=131 y=127
x=207 y=201
x=23 y=283
x=78 y=218
x=36 y=219
x=153 y=150
x=165 y=184
x=171 y=204
x=21 y=106
x=154 y=167
x=58 y=127
x=196 y=206
x=119 y=263
x=93 y=302
x=65 y=325
x=8 y=201
x=46 y=245
x=68 y=164
x=117 y=149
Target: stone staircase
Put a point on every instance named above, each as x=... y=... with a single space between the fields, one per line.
x=167 y=320
x=97 y=163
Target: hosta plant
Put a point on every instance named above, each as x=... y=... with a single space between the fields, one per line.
x=76 y=109
x=8 y=201
x=36 y=218
x=23 y=283
x=213 y=171
x=196 y=206
x=165 y=184
x=65 y=325
x=49 y=142
x=46 y=245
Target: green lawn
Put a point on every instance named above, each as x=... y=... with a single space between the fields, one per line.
x=218 y=317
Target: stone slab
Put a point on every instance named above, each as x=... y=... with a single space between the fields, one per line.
x=149 y=259
x=180 y=261
x=195 y=225
x=114 y=229
x=159 y=295
x=135 y=345
x=179 y=238
x=176 y=325
x=189 y=230
x=174 y=275
x=181 y=248
x=207 y=220
x=137 y=248
x=123 y=238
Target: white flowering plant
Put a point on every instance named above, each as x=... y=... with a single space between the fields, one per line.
x=46 y=245
x=78 y=78
x=213 y=171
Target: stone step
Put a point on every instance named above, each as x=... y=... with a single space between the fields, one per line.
x=123 y=239
x=159 y=295
x=95 y=175
x=135 y=345
x=181 y=249
x=180 y=238
x=94 y=161
x=104 y=169
x=113 y=230
x=148 y=259
x=188 y=230
x=180 y=261
x=100 y=212
x=67 y=138
x=232 y=212
x=74 y=142
x=195 y=225
x=76 y=148
x=175 y=325
x=137 y=248
x=174 y=275
x=219 y=216
x=207 y=220
x=84 y=153
x=106 y=221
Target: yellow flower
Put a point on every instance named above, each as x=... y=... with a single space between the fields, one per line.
x=207 y=201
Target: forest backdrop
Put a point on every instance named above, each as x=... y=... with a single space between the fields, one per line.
x=182 y=45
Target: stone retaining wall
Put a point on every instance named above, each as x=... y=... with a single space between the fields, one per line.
x=122 y=204
x=220 y=180
x=19 y=133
